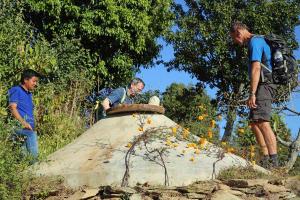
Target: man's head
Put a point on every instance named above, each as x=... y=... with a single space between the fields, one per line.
x=29 y=79
x=136 y=86
x=240 y=33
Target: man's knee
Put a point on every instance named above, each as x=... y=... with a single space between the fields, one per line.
x=262 y=125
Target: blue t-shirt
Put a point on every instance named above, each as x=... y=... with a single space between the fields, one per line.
x=115 y=97
x=23 y=99
x=260 y=51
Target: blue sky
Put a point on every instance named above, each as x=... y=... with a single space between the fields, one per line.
x=158 y=78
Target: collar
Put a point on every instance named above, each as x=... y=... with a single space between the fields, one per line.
x=26 y=91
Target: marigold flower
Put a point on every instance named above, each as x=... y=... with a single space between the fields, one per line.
x=169 y=143
x=252 y=148
x=252 y=154
x=140 y=129
x=209 y=134
x=241 y=130
x=212 y=123
x=192 y=159
x=193 y=145
x=149 y=121
x=197 y=151
x=175 y=145
x=230 y=150
x=223 y=144
x=202 y=141
x=128 y=145
x=185 y=133
x=174 y=130
x=253 y=162
x=200 y=118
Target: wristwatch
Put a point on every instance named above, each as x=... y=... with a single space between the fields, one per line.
x=252 y=94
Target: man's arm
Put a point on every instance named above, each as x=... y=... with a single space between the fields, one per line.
x=15 y=113
x=115 y=96
x=105 y=104
x=255 y=75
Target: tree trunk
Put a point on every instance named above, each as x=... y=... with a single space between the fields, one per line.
x=230 y=119
x=294 y=149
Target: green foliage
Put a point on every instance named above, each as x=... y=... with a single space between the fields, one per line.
x=145 y=96
x=185 y=104
x=12 y=164
x=121 y=35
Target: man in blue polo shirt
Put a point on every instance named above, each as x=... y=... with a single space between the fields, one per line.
x=21 y=107
x=261 y=90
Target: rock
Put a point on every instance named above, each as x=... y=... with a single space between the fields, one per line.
x=223 y=187
x=237 y=193
x=277 y=182
x=136 y=197
x=101 y=150
x=199 y=188
x=195 y=196
x=224 y=195
x=256 y=190
x=90 y=193
x=293 y=183
x=242 y=183
x=274 y=188
x=288 y=195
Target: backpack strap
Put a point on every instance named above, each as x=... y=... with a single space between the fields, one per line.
x=124 y=96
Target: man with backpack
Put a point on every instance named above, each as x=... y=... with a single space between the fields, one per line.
x=261 y=92
x=123 y=95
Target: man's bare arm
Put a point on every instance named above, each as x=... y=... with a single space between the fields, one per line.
x=15 y=113
x=255 y=75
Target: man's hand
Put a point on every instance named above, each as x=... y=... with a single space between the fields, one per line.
x=15 y=113
x=251 y=102
x=27 y=126
x=105 y=104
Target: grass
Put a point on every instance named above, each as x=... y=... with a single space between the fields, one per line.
x=241 y=173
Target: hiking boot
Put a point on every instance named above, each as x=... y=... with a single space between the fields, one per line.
x=274 y=161
x=265 y=162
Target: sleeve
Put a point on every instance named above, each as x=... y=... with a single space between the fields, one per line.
x=13 y=95
x=116 y=95
x=256 y=50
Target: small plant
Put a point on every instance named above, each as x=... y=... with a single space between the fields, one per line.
x=240 y=173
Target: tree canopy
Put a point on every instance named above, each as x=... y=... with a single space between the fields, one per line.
x=121 y=35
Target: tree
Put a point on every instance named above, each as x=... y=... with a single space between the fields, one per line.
x=121 y=35
x=204 y=49
x=191 y=107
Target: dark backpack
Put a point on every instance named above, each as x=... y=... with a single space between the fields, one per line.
x=284 y=68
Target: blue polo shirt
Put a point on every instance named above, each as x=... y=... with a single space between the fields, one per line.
x=260 y=51
x=23 y=99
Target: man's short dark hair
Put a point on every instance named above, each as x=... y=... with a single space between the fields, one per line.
x=28 y=74
x=237 y=25
x=136 y=81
